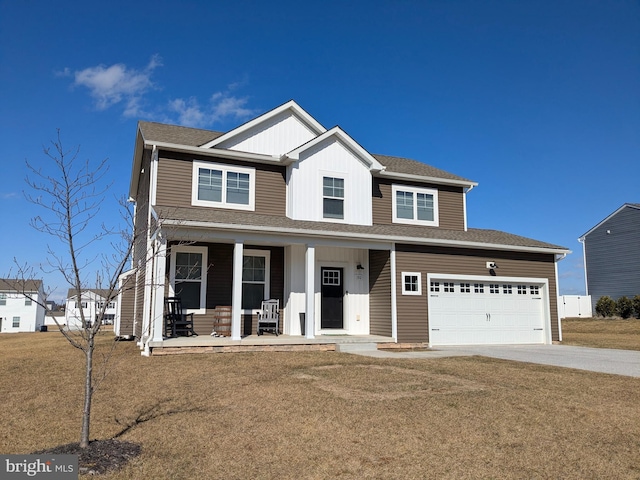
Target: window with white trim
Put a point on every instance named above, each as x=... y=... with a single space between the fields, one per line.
x=188 y=276
x=333 y=198
x=27 y=301
x=434 y=286
x=465 y=288
x=255 y=278
x=225 y=186
x=415 y=205
x=494 y=288
x=449 y=287
x=81 y=304
x=478 y=288
x=507 y=289
x=3 y=298
x=534 y=289
x=411 y=283
x=16 y=322
x=522 y=289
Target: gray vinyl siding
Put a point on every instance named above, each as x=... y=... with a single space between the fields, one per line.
x=412 y=310
x=613 y=259
x=380 y=292
x=220 y=284
x=175 y=172
x=450 y=203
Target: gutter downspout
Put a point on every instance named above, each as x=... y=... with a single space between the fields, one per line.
x=555 y=265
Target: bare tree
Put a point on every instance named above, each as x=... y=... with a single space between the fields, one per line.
x=71 y=193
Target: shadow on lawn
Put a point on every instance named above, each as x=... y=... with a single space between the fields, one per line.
x=102 y=456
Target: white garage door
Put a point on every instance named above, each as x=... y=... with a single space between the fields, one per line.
x=472 y=312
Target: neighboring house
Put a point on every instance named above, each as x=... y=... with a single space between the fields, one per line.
x=350 y=243
x=93 y=300
x=612 y=255
x=20 y=305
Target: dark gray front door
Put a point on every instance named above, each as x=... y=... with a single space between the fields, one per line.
x=332 y=293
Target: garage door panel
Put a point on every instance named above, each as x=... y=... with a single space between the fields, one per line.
x=486 y=313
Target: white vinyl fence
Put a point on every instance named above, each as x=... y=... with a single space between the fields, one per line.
x=575 y=306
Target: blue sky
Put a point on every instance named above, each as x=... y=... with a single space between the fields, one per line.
x=539 y=102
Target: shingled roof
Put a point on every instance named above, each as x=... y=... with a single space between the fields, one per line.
x=195 y=137
x=473 y=237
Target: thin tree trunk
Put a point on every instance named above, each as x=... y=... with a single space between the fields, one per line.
x=88 y=392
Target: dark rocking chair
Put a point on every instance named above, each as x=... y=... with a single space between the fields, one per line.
x=176 y=322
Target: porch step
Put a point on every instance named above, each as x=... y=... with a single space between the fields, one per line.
x=356 y=347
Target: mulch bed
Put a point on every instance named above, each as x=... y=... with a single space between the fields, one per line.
x=100 y=456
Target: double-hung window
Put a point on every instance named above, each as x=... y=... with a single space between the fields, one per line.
x=226 y=186
x=189 y=276
x=3 y=298
x=255 y=278
x=415 y=205
x=333 y=198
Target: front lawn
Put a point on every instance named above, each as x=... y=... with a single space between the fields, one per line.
x=602 y=333
x=323 y=415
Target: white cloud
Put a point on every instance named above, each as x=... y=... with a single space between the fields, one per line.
x=117 y=84
x=222 y=106
x=127 y=87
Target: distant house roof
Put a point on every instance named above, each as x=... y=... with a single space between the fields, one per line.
x=235 y=221
x=635 y=206
x=18 y=285
x=101 y=292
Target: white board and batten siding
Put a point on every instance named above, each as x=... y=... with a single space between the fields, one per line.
x=329 y=158
x=356 y=287
x=472 y=310
x=275 y=136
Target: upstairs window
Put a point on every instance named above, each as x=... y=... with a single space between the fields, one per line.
x=225 y=186
x=3 y=298
x=415 y=205
x=333 y=197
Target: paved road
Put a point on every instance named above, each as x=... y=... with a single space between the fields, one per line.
x=604 y=360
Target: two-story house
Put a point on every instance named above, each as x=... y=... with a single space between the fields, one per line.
x=611 y=252
x=351 y=243
x=21 y=305
x=93 y=302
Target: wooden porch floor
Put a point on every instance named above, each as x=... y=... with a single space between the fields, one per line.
x=266 y=342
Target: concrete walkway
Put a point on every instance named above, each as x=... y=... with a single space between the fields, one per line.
x=603 y=360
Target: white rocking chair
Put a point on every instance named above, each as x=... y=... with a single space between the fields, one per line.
x=269 y=317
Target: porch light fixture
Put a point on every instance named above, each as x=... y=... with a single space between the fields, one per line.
x=359 y=267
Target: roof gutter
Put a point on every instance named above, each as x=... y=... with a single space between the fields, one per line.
x=361 y=236
x=214 y=152
x=420 y=178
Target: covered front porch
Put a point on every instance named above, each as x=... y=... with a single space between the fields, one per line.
x=271 y=343
x=325 y=290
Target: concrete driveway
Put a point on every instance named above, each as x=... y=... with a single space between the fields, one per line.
x=604 y=360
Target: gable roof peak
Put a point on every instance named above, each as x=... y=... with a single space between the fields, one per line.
x=290 y=106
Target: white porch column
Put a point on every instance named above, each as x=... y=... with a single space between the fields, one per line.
x=236 y=299
x=309 y=290
x=157 y=287
x=394 y=305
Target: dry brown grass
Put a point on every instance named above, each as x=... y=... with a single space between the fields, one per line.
x=326 y=415
x=602 y=333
